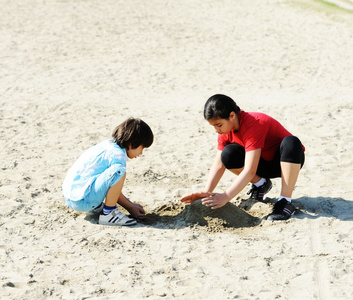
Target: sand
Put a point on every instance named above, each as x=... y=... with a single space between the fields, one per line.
x=73 y=70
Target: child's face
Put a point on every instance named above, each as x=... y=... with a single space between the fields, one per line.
x=224 y=126
x=133 y=153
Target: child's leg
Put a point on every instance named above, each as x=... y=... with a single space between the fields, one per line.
x=114 y=192
x=290 y=174
x=100 y=187
x=292 y=159
x=283 y=208
x=111 y=215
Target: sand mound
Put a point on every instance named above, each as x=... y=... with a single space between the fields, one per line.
x=175 y=215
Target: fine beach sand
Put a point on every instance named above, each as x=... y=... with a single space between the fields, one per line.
x=70 y=71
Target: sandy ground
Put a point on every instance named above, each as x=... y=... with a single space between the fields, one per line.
x=70 y=71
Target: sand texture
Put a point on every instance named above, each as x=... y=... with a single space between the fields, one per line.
x=70 y=71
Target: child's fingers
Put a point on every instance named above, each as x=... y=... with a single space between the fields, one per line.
x=210 y=202
x=207 y=201
x=194 y=196
x=141 y=210
x=141 y=214
x=187 y=199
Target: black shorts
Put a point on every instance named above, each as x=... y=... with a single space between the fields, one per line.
x=290 y=150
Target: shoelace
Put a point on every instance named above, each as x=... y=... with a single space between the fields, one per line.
x=253 y=190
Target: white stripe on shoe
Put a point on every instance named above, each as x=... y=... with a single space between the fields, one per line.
x=116 y=218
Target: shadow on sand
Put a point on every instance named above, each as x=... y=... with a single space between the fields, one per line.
x=313 y=207
x=230 y=216
x=316 y=207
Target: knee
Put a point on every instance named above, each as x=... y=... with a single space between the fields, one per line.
x=233 y=156
x=292 y=150
x=291 y=143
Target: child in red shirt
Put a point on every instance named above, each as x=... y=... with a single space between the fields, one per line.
x=255 y=147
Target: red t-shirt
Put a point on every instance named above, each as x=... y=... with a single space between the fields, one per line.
x=256 y=131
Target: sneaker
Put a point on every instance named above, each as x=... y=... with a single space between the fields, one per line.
x=282 y=210
x=258 y=193
x=116 y=218
x=98 y=209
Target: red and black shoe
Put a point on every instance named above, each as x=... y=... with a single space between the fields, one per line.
x=282 y=210
x=258 y=193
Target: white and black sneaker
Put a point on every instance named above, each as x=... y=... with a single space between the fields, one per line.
x=282 y=210
x=116 y=218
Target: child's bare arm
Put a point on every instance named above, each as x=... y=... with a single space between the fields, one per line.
x=135 y=209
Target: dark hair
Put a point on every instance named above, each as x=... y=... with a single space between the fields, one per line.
x=219 y=107
x=133 y=133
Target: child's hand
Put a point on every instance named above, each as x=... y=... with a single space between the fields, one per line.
x=137 y=211
x=195 y=196
x=215 y=200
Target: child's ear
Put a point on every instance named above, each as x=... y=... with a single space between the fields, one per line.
x=232 y=115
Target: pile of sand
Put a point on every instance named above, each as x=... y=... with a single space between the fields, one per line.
x=178 y=215
x=73 y=70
